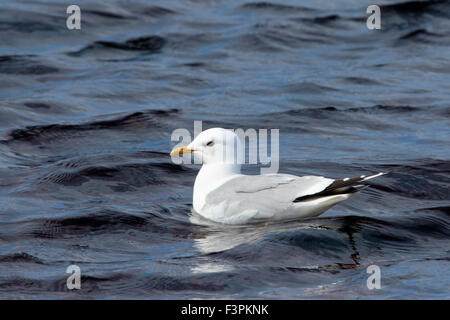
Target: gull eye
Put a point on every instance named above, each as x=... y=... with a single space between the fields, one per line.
x=210 y=144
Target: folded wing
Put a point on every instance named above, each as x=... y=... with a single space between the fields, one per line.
x=277 y=196
x=259 y=197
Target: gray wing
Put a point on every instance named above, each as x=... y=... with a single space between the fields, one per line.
x=260 y=196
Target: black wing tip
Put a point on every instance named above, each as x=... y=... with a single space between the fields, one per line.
x=341 y=186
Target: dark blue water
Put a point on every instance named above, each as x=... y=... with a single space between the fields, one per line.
x=86 y=118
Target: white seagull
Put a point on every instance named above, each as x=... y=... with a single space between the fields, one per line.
x=224 y=195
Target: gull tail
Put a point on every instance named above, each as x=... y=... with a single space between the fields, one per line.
x=341 y=187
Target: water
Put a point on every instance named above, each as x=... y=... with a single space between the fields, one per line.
x=86 y=118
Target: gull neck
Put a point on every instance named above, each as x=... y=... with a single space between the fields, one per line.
x=210 y=177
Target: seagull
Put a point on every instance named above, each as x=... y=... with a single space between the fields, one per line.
x=224 y=195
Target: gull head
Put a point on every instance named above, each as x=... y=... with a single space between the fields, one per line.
x=213 y=146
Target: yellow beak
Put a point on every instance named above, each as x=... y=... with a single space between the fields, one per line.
x=181 y=150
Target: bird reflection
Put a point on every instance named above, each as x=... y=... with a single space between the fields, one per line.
x=221 y=238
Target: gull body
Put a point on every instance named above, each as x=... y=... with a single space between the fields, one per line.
x=223 y=194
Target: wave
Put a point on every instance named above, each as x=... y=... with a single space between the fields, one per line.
x=274 y=7
x=148 y=44
x=25 y=65
x=36 y=134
